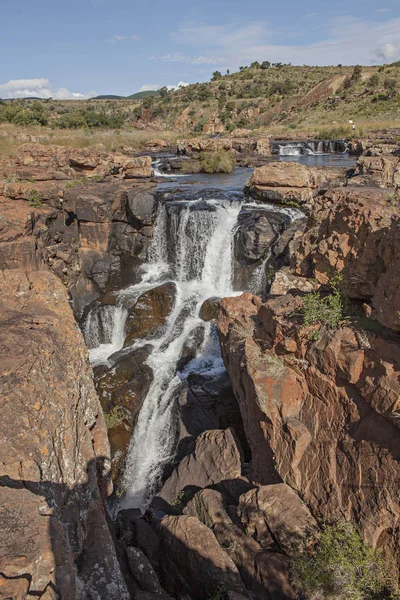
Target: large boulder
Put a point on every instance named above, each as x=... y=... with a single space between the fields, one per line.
x=333 y=402
x=149 y=314
x=285 y=182
x=194 y=563
x=278 y=511
x=216 y=457
x=55 y=465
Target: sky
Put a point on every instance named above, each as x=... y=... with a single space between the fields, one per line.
x=80 y=48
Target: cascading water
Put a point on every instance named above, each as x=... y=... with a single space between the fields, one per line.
x=104 y=331
x=197 y=238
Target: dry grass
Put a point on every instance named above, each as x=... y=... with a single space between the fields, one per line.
x=12 y=136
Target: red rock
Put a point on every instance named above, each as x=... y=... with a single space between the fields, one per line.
x=320 y=416
x=54 y=451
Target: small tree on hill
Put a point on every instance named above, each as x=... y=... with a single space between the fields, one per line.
x=216 y=75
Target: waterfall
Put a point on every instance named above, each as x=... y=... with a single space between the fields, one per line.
x=197 y=237
x=104 y=331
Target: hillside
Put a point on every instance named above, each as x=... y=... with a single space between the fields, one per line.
x=261 y=98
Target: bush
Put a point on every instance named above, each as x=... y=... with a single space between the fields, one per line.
x=324 y=310
x=340 y=566
x=219 y=161
x=35 y=198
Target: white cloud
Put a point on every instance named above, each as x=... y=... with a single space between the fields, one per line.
x=115 y=39
x=39 y=88
x=149 y=87
x=180 y=84
x=388 y=52
x=347 y=40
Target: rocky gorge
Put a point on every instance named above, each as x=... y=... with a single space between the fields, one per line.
x=175 y=423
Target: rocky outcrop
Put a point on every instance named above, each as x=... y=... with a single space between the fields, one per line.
x=383 y=171
x=43 y=163
x=357 y=235
x=373 y=147
x=206 y=568
x=286 y=182
x=55 y=466
x=216 y=457
x=90 y=234
x=333 y=402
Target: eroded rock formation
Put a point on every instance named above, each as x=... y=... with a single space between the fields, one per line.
x=55 y=466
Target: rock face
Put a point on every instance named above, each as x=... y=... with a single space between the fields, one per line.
x=382 y=170
x=89 y=235
x=216 y=457
x=55 y=465
x=320 y=416
x=205 y=569
x=42 y=163
x=358 y=236
x=289 y=181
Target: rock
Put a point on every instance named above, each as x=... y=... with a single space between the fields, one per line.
x=149 y=315
x=383 y=170
x=290 y=181
x=122 y=390
x=216 y=457
x=193 y=561
x=89 y=234
x=359 y=233
x=43 y=163
x=143 y=572
x=277 y=510
x=55 y=455
x=210 y=508
x=213 y=125
x=273 y=570
x=209 y=309
x=332 y=402
x=285 y=282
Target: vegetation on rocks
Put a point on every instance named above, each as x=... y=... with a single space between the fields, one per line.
x=326 y=310
x=219 y=161
x=340 y=566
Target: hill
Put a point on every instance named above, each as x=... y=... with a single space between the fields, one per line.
x=278 y=99
x=140 y=95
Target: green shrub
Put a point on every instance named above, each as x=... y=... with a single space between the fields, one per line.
x=35 y=198
x=115 y=417
x=340 y=566
x=219 y=161
x=324 y=310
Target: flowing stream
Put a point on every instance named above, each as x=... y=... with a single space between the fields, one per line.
x=193 y=247
x=197 y=238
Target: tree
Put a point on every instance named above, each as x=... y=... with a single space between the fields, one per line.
x=163 y=92
x=216 y=75
x=228 y=72
x=255 y=65
x=265 y=64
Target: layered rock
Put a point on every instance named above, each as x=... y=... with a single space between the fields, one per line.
x=383 y=171
x=42 y=163
x=55 y=466
x=357 y=235
x=320 y=416
x=90 y=235
x=286 y=182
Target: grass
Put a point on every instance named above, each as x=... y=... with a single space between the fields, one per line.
x=339 y=566
x=325 y=310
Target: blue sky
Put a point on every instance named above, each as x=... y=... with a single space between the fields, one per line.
x=70 y=48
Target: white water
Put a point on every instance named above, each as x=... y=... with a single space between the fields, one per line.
x=104 y=332
x=192 y=245
x=201 y=252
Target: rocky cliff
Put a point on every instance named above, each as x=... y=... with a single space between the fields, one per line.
x=55 y=466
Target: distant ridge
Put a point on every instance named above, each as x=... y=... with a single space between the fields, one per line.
x=108 y=97
x=140 y=95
